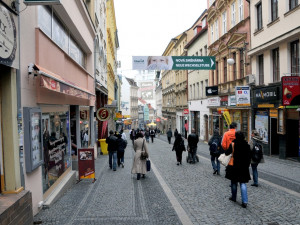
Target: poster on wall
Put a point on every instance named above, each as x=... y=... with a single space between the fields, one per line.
x=261 y=124
x=242 y=95
x=290 y=90
x=86 y=163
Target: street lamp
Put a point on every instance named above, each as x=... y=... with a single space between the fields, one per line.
x=230 y=61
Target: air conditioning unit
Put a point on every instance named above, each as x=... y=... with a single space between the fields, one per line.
x=250 y=79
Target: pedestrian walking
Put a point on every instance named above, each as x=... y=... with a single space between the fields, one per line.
x=152 y=135
x=193 y=140
x=179 y=148
x=122 y=144
x=123 y=135
x=215 y=151
x=229 y=136
x=158 y=132
x=139 y=165
x=132 y=135
x=112 y=148
x=256 y=155
x=175 y=133
x=238 y=167
x=169 y=135
x=147 y=135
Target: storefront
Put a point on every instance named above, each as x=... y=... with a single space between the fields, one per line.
x=266 y=103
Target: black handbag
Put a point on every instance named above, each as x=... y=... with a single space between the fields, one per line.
x=148 y=164
x=144 y=154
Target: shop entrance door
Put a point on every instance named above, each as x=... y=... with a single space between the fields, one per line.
x=292 y=138
x=274 y=137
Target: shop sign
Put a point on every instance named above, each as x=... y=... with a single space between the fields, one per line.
x=8 y=38
x=185 y=112
x=265 y=106
x=273 y=113
x=215 y=101
x=224 y=100
x=242 y=95
x=232 y=100
x=102 y=114
x=213 y=90
x=86 y=163
x=267 y=94
x=290 y=90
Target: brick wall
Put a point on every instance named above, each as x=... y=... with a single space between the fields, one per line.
x=16 y=209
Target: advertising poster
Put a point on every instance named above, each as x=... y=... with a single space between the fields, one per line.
x=291 y=90
x=261 y=124
x=173 y=62
x=242 y=95
x=86 y=163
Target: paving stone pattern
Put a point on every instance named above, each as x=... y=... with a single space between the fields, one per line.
x=118 y=198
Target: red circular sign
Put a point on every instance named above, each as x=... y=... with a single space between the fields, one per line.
x=102 y=114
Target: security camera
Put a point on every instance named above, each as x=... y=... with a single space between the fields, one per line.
x=30 y=68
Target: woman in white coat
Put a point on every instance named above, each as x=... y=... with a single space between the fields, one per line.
x=139 y=166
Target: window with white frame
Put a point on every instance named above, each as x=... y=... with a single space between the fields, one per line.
x=241 y=10
x=212 y=33
x=194 y=91
x=293 y=4
x=198 y=91
x=259 y=16
x=224 y=22
x=202 y=89
x=204 y=22
x=276 y=65
x=274 y=10
x=217 y=30
x=233 y=14
x=295 y=59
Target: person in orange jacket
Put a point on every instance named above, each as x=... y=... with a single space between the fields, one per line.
x=229 y=136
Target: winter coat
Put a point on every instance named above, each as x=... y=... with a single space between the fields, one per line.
x=147 y=134
x=112 y=144
x=152 y=133
x=175 y=133
x=216 y=138
x=252 y=142
x=122 y=144
x=178 y=147
x=139 y=166
x=193 y=140
x=228 y=137
x=169 y=133
x=239 y=171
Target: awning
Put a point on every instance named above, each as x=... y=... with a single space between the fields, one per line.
x=54 y=82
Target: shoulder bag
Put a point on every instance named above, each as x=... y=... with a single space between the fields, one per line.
x=224 y=159
x=144 y=154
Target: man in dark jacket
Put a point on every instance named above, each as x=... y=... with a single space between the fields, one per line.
x=169 y=135
x=215 y=150
x=112 y=148
x=122 y=144
x=152 y=134
x=193 y=140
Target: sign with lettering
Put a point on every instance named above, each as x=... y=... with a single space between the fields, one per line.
x=86 y=163
x=213 y=101
x=242 y=95
x=266 y=94
x=290 y=90
x=102 y=114
x=213 y=90
x=173 y=62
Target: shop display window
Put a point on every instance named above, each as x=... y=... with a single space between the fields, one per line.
x=85 y=126
x=236 y=117
x=56 y=146
x=261 y=124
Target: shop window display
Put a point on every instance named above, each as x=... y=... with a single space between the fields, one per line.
x=84 y=126
x=56 y=146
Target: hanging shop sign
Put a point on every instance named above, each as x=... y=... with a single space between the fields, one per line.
x=215 y=101
x=290 y=90
x=266 y=94
x=185 y=112
x=8 y=38
x=213 y=90
x=242 y=95
x=173 y=62
x=227 y=117
x=86 y=163
x=102 y=114
x=224 y=100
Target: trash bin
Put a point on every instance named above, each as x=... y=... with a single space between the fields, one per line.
x=103 y=146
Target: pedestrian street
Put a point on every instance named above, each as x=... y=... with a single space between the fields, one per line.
x=170 y=194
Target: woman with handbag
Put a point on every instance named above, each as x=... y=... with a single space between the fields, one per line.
x=238 y=167
x=179 y=148
x=141 y=154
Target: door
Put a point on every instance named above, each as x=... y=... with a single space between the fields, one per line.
x=274 y=137
x=206 y=128
x=292 y=138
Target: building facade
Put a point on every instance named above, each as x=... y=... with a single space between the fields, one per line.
x=229 y=38
x=274 y=53
x=133 y=103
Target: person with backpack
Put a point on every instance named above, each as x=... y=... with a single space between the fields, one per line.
x=256 y=155
x=179 y=147
x=122 y=144
x=215 y=151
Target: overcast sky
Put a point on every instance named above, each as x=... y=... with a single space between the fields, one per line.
x=145 y=27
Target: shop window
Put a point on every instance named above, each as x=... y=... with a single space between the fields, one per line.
x=276 y=65
x=236 y=117
x=295 y=59
x=84 y=126
x=56 y=146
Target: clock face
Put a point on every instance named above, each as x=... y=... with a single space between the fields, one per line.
x=8 y=37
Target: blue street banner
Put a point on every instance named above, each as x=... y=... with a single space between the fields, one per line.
x=173 y=63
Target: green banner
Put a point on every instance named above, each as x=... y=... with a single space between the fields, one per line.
x=193 y=63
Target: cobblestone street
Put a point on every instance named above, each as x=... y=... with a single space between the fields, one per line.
x=171 y=194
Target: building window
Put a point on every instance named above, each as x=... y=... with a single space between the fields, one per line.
x=241 y=10
x=276 y=68
x=202 y=89
x=233 y=14
x=234 y=66
x=224 y=23
x=204 y=22
x=205 y=50
x=217 y=30
x=295 y=58
x=261 y=69
x=201 y=52
x=212 y=33
x=241 y=64
x=225 y=69
x=198 y=90
x=194 y=97
x=191 y=91
x=274 y=9
x=217 y=73
x=293 y=4
x=259 y=16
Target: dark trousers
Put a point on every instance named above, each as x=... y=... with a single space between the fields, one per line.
x=169 y=139
x=152 y=137
x=179 y=156
x=120 y=156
